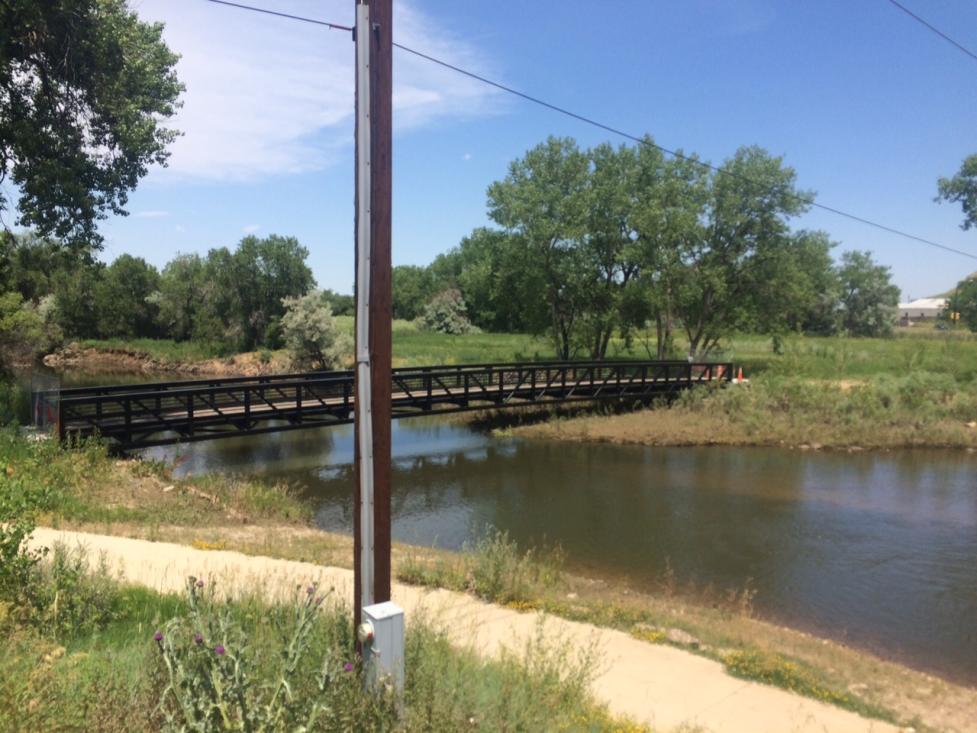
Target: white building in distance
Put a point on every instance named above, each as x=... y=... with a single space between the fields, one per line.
x=921 y=309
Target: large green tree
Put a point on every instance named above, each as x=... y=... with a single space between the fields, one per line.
x=124 y=299
x=542 y=202
x=868 y=297
x=413 y=287
x=85 y=89
x=745 y=224
x=962 y=189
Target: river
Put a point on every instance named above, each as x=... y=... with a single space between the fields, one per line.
x=878 y=550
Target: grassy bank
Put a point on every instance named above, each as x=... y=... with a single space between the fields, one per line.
x=921 y=409
x=87 y=490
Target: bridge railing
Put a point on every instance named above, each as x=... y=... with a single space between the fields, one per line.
x=194 y=408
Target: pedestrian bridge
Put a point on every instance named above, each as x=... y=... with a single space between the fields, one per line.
x=142 y=415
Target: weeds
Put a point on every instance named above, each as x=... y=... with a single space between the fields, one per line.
x=492 y=568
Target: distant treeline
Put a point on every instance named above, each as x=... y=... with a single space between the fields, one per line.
x=231 y=298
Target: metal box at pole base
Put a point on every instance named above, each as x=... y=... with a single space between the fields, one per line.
x=383 y=655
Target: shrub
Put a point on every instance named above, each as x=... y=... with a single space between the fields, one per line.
x=447 y=313
x=311 y=334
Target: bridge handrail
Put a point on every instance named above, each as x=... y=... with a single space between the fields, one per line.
x=289 y=377
x=210 y=388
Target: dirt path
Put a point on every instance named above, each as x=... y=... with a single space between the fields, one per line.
x=658 y=685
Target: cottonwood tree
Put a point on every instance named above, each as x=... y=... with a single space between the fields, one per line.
x=85 y=90
x=868 y=298
x=962 y=189
x=745 y=223
x=542 y=203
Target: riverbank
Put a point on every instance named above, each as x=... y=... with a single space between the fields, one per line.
x=920 y=410
x=92 y=492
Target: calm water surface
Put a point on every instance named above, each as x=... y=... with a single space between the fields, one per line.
x=875 y=549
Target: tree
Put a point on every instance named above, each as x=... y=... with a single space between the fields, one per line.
x=963 y=300
x=868 y=298
x=962 y=189
x=124 y=302
x=446 y=313
x=342 y=305
x=542 y=202
x=85 y=87
x=750 y=199
x=179 y=297
x=413 y=287
x=265 y=272
x=312 y=336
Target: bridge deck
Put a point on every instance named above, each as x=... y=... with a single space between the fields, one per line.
x=136 y=416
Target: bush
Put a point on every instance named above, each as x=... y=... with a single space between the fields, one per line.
x=311 y=334
x=447 y=313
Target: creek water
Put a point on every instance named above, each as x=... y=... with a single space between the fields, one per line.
x=878 y=550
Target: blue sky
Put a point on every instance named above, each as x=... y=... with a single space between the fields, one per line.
x=868 y=106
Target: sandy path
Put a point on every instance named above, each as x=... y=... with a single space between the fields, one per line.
x=659 y=685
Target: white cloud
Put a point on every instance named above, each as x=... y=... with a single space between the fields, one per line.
x=466 y=156
x=151 y=214
x=269 y=96
x=251 y=228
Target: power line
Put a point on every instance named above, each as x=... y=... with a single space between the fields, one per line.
x=933 y=28
x=616 y=131
x=335 y=26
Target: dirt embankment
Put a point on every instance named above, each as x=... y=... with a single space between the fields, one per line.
x=117 y=361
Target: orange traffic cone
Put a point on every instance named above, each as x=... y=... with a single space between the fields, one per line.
x=739 y=377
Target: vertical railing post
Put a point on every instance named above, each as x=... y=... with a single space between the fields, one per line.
x=128 y=419
x=466 y=388
x=190 y=414
x=346 y=398
x=429 y=386
x=532 y=383
x=298 y=403
x=247 y=405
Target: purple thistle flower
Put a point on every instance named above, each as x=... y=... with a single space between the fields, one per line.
x=310 y=590
x=319 y=600
x=348 y=667
x=200 y=583
x=198 y=638
x=158 y=636
x=219 y=650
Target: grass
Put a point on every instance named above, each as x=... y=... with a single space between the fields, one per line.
x=916 y=410
x=111 y=677
x=165 y=350
x=86 y=485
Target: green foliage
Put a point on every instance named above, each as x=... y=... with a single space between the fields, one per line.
x=492 y=568
x=312 y=336
x=26 y=329
x=964 y=301
x=868 y=297
x=86 y=87
x=213 y=674
x=962 y=189
x=447 y=313
x=125 y=308
x=413 y=287
x=68 y=597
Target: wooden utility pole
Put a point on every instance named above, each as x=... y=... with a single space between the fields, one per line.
x=371 y=507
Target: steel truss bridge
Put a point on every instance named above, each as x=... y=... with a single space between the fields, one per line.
x=135 y=416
